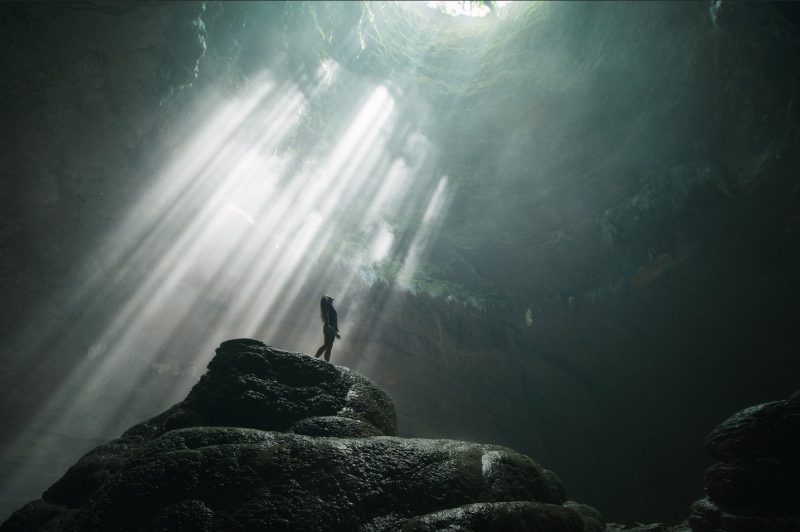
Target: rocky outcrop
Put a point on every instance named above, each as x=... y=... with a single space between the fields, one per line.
x=272 y=440
x=624 y=180
x=755 y=486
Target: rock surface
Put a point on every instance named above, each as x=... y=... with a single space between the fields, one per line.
x=755 y=486
x=650 y=527
x=645 y=200
x=271 y=440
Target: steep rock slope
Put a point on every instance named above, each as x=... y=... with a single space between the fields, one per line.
x=271 y=440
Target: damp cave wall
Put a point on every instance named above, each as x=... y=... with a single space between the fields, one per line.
x=648 y=218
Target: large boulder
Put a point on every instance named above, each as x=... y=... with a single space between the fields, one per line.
x=755 y=486
x=272 y=440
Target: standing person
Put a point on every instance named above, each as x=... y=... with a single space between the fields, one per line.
x=330 y=327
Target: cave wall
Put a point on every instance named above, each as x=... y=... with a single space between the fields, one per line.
x=90 y=97
x=624 y=236
x=634 y=233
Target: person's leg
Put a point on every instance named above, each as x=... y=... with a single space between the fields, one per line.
x=328 y=346
x=322 y=348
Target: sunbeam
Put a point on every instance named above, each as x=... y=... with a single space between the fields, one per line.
x=239 y=232
x=234 y=222
x=568 y=228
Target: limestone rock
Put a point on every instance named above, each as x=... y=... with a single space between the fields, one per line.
x=705 y=516
x=271 y=440
x=762 y=486
x=592 y=520
x=766 y=430
x=513 y=516
x=650 y=527
x=756 y=484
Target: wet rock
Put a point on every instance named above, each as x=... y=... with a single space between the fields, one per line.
x=248 y=385
x=255 y=386
x=592 y=520
x=756 y=483
x=766 y=430
x=272 y=440
x=705 y=516
x=650 y=527
x=515 y=516
x=754 y=487
x=269 y=480
x=334 y=426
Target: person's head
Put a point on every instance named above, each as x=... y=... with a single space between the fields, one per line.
x=324 y=304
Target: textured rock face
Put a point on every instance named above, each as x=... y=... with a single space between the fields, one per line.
x=645 y=201
x=271 y=440
x=755 y=485
x=652 y=527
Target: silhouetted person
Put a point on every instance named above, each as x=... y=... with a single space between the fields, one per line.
x=330 y=327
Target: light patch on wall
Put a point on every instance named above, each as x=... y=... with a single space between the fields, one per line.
x=381 y=243
x=529 y=317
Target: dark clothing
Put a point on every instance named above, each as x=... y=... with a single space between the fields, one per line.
x=332 y=321
x=329 y=330
x=330 y=336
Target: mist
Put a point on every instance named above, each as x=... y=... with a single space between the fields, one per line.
x=569 y=228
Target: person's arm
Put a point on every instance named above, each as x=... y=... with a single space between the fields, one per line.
x=335 y=323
